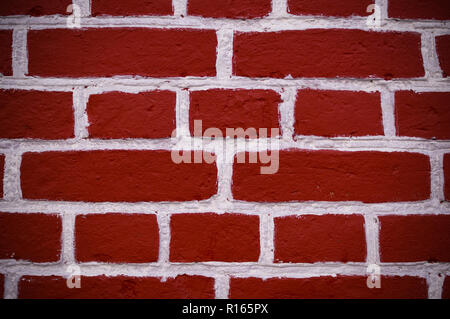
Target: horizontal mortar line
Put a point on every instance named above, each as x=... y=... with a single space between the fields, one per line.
x=376 y=143
x=212 y=269
x=201 y=83
x=264 y=24
x=214 y=205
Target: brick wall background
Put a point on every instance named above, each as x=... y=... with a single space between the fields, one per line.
x=87 y=179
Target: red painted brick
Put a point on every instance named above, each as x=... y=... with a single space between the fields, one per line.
x=2 y=285
x=32 y=237
x=212 y=237
x=447 y=176
x=117 y=238
x=414 y=238
x=121 y=287
x=419 y=9
x=370 y=177
x=443 y=50
x=2 y=169
x=235 y=109
x=329 y=8
x=131 y=7
x=309 y=239
x=246 y=9
x=36 y=114
x=101 y=52
x=6 y=52
x=328 y=53
x=424 y=115
x=34 y=7
x=115 y=176
x=446 y=288
x=124 y=115
x=338 y=113
x=340 y=287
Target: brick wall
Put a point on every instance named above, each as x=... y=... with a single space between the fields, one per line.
x=91 y=114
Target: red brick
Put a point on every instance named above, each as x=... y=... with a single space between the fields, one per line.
x=121 y=287
x=328 y=53
x=124 y=115
x=329 y=8
x=117 y=238
x=245 y=9
x=6 y=52
x=443 y=50
x=309 y=239
x=131 y=7
x=34 y=7
x=338 y=113
x=36 y=114
x=446 y=288
x=212 y=237
x=32 y=237
x=2 y=285
x=424 y=115
x=370 y=177
x=2 y=169
x=102 y=53
x=415 y=238
x=447 y=176
x=115 y=176
x=340 y=287
x=419 y=9
x=235 y=109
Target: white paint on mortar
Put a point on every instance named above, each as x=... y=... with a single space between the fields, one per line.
x=164 y=238
x=388 y=112
x=80 y=99
x=180 y=8
x=223 y=202
x=68 y=238
x=222 y=286
x=20 y=53
x=224 y=64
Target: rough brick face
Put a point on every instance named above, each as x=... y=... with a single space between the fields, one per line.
x=338 y=113
x=6 y=52
x=31 y=237
x=339 y=287
x=131 y=7
x=100 y=52
x=329 y=8
x=370 y=177
x=336 y=238
x=34 y=7
x=115 y=176
x=212 y=237
x=425 y=115
x=230 y=8
x=244 y=109
x=36 y=114
x=443 y=51
x=414 y=238
x=328 y=53
x=152 y=115
x=121 y=287
x=447 y=176
x=116 y=238
x=419 y=9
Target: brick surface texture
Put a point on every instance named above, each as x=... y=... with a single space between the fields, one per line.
x=225 y=149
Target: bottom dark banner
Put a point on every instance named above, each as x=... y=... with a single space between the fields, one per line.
x=226 y=308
